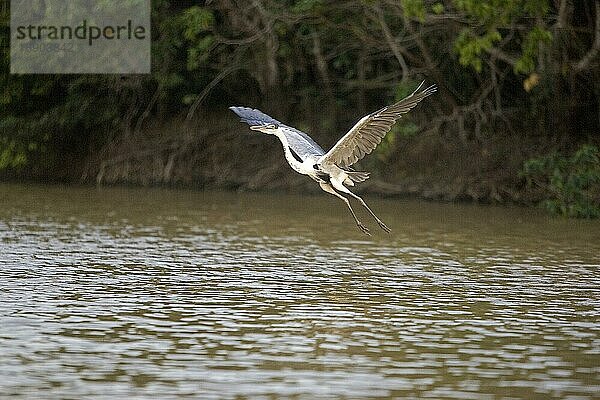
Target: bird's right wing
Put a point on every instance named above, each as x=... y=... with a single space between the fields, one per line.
x=368 y=132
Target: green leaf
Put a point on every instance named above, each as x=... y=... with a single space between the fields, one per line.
x=536 y=38
x=437 y=8
x=196 y=21
x=414 y=9
x=570 y=182
x=470 y=47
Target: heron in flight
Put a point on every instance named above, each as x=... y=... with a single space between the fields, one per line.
x=332 y=170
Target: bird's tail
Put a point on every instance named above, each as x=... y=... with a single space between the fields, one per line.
x=356 y=176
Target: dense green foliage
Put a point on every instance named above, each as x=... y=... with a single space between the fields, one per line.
x=569 y=182
x=505 y=68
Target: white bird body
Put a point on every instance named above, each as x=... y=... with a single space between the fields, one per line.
x=307 y=166
x=301 y=167
x=331 y=170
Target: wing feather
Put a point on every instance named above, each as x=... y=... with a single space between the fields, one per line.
x=302 y=144
x=364 y=137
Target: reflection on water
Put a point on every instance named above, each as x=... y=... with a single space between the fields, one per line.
x=155 y=293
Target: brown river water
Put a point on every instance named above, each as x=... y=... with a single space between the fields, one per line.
x=154 y=293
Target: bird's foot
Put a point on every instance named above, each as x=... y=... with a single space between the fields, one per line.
x=363 y=228
x=384 y=227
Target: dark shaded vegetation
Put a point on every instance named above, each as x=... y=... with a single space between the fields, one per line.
x=518 y=79
x=572 y=182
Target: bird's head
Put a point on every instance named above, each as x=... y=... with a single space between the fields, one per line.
x=265 y=128
x=257 y=120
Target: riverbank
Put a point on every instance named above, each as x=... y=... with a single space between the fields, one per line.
x=220 y=153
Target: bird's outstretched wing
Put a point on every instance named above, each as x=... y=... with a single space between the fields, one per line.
x=302 y=144
x=252 y=116
x=368 y=132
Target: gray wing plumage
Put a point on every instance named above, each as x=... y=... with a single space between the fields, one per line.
x=368 y=132
x=299 y=142
x=253 y=117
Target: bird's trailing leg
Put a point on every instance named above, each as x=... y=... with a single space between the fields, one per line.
x=380 y=222
x=329 y=189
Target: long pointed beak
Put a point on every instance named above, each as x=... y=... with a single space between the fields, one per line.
x=256 y=127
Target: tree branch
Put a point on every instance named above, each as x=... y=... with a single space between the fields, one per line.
x=589 y=57
x=389 y=38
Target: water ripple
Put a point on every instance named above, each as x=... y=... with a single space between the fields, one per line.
x=184 y=303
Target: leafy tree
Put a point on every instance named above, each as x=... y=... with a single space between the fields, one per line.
x=572 y=184
x=505 y=68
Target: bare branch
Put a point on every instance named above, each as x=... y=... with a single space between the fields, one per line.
x=589 y=57
x=396 y=49
x=220 y=76
x=500 y=55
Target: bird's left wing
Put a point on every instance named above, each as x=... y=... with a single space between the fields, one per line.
x=252 y=116
x=298 y=141
x=368 y=132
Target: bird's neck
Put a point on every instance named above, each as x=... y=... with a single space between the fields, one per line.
x=295 y=164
